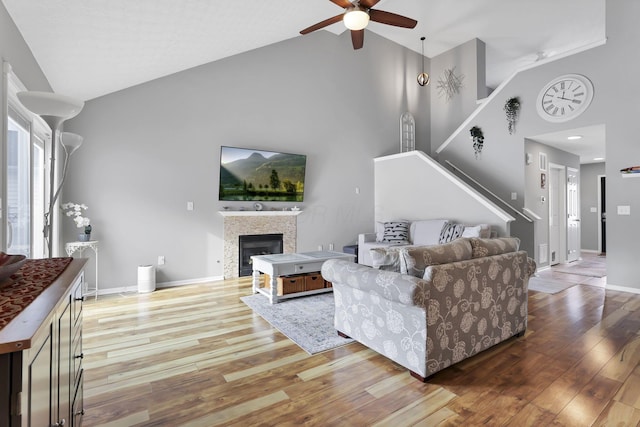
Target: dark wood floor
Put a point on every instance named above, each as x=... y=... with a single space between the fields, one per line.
x=197 y=356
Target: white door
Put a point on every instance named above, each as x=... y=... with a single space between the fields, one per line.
x=556 y=209
x=573 y=215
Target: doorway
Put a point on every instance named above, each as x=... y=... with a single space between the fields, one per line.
x=602 y=215
x=557 y=214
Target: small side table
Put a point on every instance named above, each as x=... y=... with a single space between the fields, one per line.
x=72 y=247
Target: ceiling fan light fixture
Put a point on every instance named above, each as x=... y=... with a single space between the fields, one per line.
x=356 y=18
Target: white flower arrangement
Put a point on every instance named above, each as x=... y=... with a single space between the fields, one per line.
x=75 y=210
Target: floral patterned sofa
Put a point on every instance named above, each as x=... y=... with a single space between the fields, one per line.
x=448 y=302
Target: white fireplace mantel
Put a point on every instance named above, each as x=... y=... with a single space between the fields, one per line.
x=259 y=213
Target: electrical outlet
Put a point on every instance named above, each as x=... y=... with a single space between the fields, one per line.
x=330 y=246
x=624 y=210
x=514 y=196
x=161 y=260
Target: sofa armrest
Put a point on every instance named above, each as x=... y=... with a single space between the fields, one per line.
x=366 y=237
x=402 y=288
x=365 y=242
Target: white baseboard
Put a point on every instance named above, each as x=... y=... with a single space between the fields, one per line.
x=134 y=288
x=612 y=287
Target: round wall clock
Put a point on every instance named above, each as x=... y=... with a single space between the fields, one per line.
x=565 y=98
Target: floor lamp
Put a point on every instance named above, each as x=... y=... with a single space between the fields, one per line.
x=54 y=110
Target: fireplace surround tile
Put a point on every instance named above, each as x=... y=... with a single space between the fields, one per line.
x=235 y=226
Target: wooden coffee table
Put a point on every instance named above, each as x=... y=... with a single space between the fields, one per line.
x=277 y=265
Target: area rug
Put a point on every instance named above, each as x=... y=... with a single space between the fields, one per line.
x=307 y=321
x=548 y=286
x=583 y=268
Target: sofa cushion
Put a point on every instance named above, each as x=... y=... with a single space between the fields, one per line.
x=426 y=232
x=396 y=232
x=490 y=247
x=451 y=232
x=416 y=259
x=386 y=258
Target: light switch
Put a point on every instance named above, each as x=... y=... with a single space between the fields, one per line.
x=624 y=210
x=594 y=210
x=514 y=196
x=189 y=206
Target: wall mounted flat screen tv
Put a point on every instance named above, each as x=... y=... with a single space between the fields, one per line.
x=259 y=175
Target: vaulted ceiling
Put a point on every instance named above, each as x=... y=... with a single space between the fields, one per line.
x=92 y=48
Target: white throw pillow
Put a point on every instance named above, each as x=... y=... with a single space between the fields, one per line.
x=426 y=232
x=471 y=231
x=481 y=230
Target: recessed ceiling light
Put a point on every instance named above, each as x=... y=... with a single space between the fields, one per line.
x=574 y=137
x=598 y=158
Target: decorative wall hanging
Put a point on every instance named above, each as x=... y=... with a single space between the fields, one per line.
x=512 y=110
x=478 y=140
x=449 y=84
x=407 y=132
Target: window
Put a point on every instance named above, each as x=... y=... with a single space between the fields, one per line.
x=25 y=189
x=18 y=189
x=25 y=142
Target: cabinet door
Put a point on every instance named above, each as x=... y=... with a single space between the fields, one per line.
x=40 y=402
x=78 y=405
x=65 y=377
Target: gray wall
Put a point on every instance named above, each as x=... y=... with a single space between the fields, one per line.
x=152 y=148
x=14 y=50
x=534 y=191
x=589 y=178
x=500 y=166
x=146 y=148
x=446 y=115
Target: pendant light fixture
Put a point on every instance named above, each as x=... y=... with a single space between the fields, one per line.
x=423 y=78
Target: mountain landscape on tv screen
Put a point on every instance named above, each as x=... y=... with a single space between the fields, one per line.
x=276 y=178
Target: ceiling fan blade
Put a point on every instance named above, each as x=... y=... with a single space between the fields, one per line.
x=357 y=38
x=342 y=3
x=392 y=19
x=368 y=3
x=322 y=24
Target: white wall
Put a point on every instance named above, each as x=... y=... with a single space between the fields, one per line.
x=413 y=186
x=151 y=148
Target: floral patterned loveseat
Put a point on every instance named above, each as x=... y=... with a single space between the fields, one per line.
x=448 y=302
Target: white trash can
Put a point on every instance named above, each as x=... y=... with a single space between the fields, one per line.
x=146 y=278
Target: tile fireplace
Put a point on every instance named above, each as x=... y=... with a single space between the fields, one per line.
x=242 y=223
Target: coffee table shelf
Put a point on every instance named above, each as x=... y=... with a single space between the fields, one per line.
x=278 y=265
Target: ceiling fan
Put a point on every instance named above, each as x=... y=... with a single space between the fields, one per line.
x=356 y=17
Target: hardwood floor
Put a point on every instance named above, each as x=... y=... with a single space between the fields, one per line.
x=197 y=356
